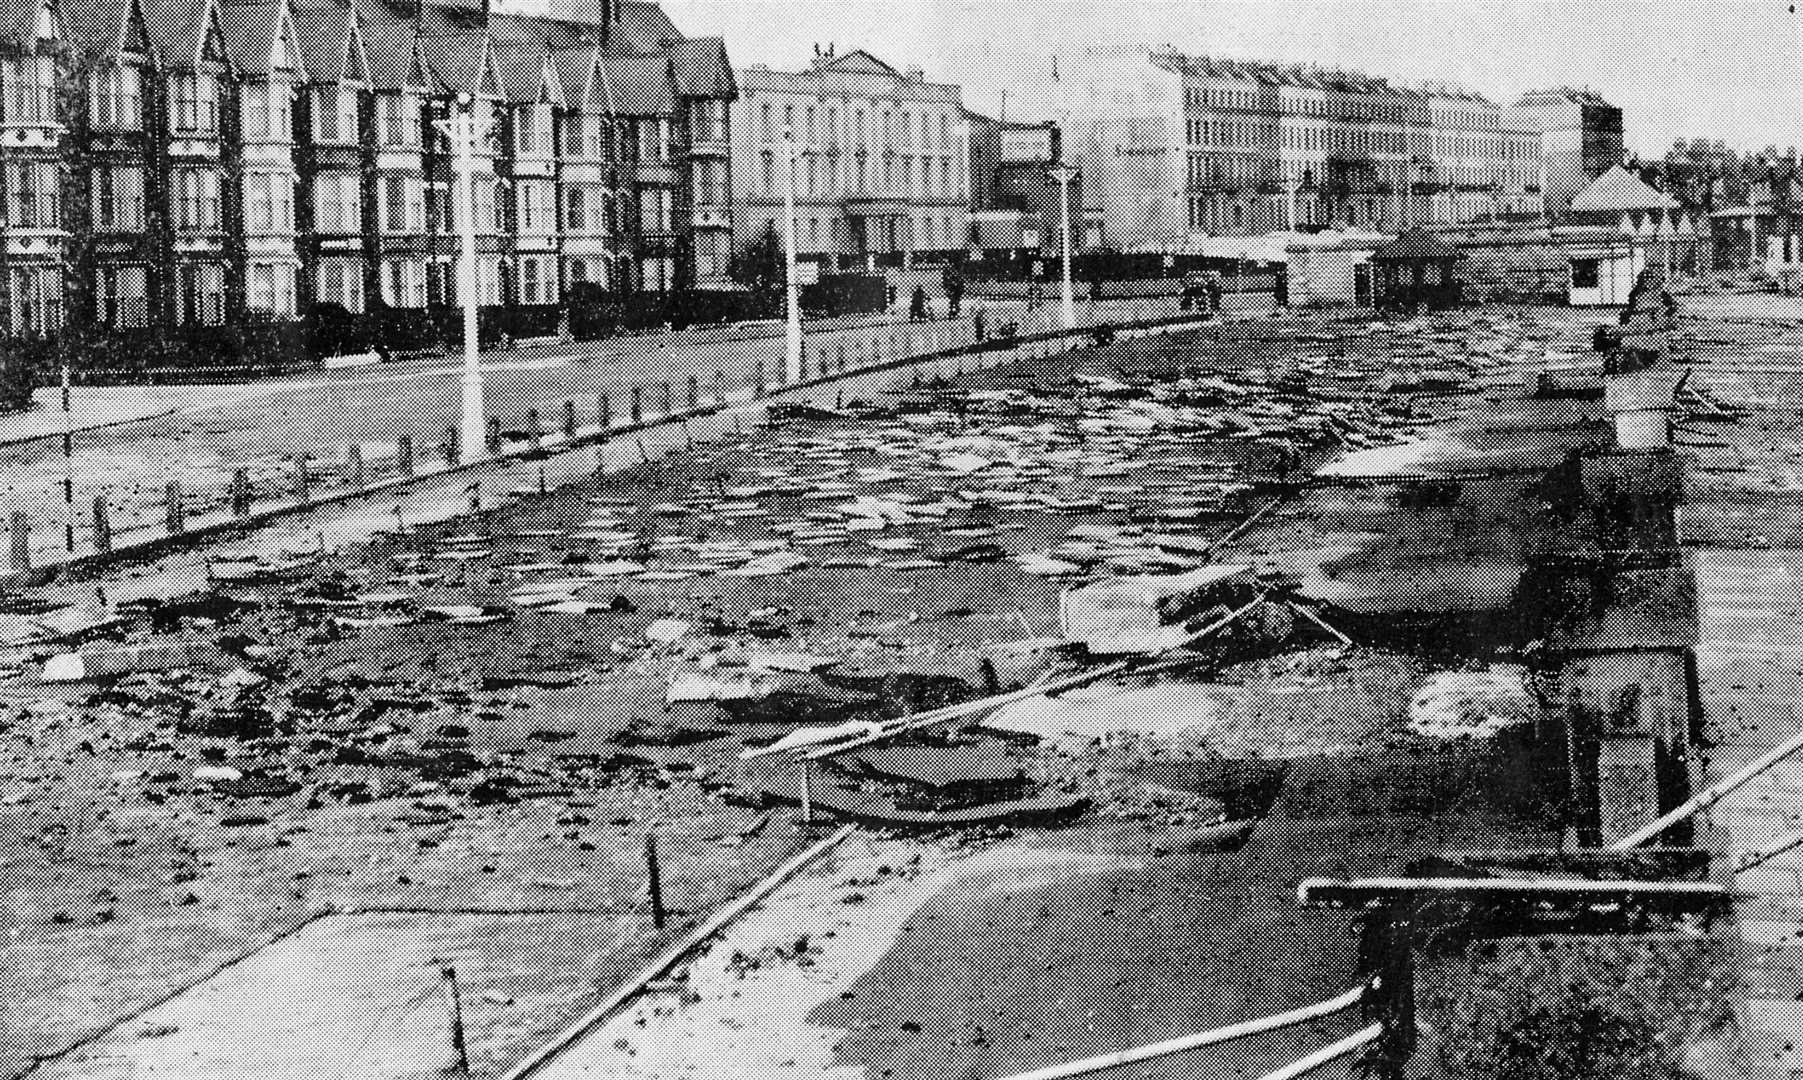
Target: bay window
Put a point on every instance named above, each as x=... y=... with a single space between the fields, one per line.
x=399 y=117
x=268 y=203
x=194 y=199
x=31 y=190
x=122 y=296
x=194 y=103
x=340 y=282
x=116 y=99
x=335 y=115
x=118 y=198
x=28 y=89
x=337 y=203
x=270 y=288
x=268 y=112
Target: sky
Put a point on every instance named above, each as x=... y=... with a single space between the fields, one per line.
x=1718 y=69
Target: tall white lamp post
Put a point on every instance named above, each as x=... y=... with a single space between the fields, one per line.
x=1064 y=174
x=792 y=339
x=460 y=128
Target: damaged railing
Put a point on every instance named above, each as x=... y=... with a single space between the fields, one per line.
x=1230 y=1033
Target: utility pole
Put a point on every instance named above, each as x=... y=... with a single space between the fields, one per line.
x=68 y=466
x=1064 y=174
x=460 y=128
x=792 y=339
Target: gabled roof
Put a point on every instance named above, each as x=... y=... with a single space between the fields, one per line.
x=702 y=70
x=526 y=72
x=25 y=22
x=637 y=84
x=185 y=31
x=643 y=26
x=463 y=62
x=100 y=30
x=332 y=43
x=575 y=67
x=860 y=62
x=255 y=33
x=1620 y=190
x=396 y=59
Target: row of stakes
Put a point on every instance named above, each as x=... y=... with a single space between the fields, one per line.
x=241 y=495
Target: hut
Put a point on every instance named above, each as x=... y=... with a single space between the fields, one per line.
x=1618 y=221
x=1414 y=272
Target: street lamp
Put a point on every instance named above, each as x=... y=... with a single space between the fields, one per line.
x=461 y=130
x=792 y=340
x=1064 y=174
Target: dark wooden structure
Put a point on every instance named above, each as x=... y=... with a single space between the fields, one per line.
x=1414 y=272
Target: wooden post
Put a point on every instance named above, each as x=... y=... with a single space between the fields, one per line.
x=303 y=479
x=757 y=385
x=458 y=1043
x=354 y=464
x=475 y=494
x=174 y=515
x=569 y=421
x=604 y=414
x=403 y=454
x=240 y=493
x=638 y=404
x=103 y=527
x=21 y=526
x=494 y=435
x=535 y=436
x=654 y=881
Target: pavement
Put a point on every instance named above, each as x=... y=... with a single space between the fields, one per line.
x=90 y=410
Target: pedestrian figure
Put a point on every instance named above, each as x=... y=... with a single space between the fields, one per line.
x=917 y=309
x=1214 y=293
x=954 y=291
x=977 y=322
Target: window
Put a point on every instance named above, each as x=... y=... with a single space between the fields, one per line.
x=403 y=204
x=194 y=103
x=270 y=288
x=118 y=198
x=268 y=203
x=399 y=118
x=121 y=296
x=488 y=281
x=116 y=99
x=335 y=114
x=28 y=88
x=37 y=298
x=267 y=112
x=340 y=281
x=337 y=203
x=538 y=280
x=404 y=283
x=200 y=294
x=491 y=211
x=1585 y=273
x=32 y=195
x=438 y=209
x=533 y=200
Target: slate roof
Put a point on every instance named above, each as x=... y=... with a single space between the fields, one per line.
x=321 y=32
x=1415 y=244
x=390 y=46
x=638 y=84
x=95 y=28
x=702 y=69
x=175 y=28
x=248 y=31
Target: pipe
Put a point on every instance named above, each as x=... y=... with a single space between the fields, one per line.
x=1710 y=796
x=1195 y=1042
x=1327 y=1055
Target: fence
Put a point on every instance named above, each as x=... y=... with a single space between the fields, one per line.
x=251 y=494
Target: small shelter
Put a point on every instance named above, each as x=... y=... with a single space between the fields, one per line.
x=1627 y=218
x=1414 y=272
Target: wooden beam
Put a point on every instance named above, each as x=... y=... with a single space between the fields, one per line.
x=1688 y=895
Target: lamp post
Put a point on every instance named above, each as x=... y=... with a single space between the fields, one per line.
x=1064 y=174
x=460 y=128
x=792 y=338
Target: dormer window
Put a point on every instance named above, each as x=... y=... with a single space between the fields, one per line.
x=400 y=119
x=194 y=103
x=116 y=99
x=335 y=115
x=28 y=89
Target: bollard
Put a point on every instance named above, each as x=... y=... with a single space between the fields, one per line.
x=569 y=421
x=694 y=393
x=354 y=464
x=303 y=479
x=21 y=542
x=638 y=405
x=654 y=884
x=103 y=526
x=452 y=452
x=241 y=493
x=604 y=414
x=494 y=435
x=535 y=436
x=669 y=400
x=403 y=454
x=174 y=519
